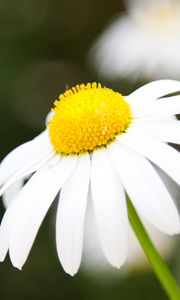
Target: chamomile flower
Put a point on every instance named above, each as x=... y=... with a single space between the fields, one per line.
x=143 y=43
x=97 y=145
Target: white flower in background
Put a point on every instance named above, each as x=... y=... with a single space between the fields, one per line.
x=143 y=43
x=101 y=144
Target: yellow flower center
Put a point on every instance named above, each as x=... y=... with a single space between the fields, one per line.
x=86 y=117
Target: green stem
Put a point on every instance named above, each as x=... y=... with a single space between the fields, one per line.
x=158 y=265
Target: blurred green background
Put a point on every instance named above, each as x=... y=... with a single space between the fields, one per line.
x=43 y=48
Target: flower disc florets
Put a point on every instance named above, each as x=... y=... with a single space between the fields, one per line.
x=86 y=117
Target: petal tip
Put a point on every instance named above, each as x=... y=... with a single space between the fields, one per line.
x=2 y=256
x=72 y=273
x=15 y=262
x=2 y=259
x=15 y=265
x=118 y=263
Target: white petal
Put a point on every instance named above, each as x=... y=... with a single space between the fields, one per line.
x=162 y=107
x=25 y=155
x=5 y=228
x=12 y=192
x=71 y=215
x=164 y=156
x=165 y=131
x=156 y=119
x=27 y=170
x=32 y=204
x=151 y=91
x=110 y=208
x=145 y=189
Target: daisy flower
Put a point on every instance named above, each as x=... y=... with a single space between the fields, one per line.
x=97 y=145
x=144 y=42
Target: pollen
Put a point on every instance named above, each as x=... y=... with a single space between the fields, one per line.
x=86 y=117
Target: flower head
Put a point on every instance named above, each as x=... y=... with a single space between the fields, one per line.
x=98 y=145
x=86 y=117
x=144 y=42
